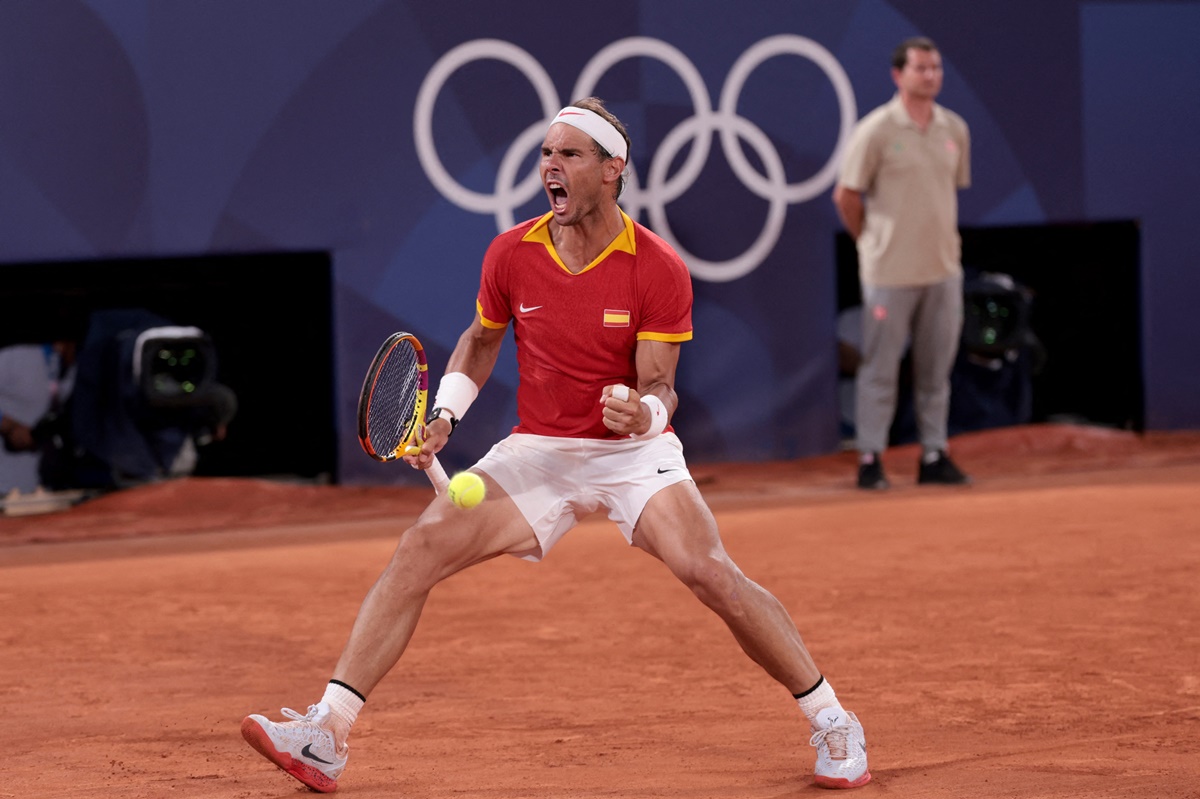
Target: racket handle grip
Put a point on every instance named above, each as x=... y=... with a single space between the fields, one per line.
x=437 y=476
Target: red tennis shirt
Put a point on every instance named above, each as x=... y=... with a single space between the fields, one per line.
x=577 y=333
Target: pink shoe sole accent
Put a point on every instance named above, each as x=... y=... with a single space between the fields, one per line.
x=831 y=782
x=257 y=737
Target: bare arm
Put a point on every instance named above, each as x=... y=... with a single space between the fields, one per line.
x=475 y=356
x=849 y=204
x=476 y=352
x=656 y=362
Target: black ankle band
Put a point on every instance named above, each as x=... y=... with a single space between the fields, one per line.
x=818 y=684
x=350 y=688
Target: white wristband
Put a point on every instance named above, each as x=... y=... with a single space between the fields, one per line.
x=455 y=393
x=658 y=417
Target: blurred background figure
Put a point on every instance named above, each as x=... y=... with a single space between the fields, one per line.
x=145 y=397
x=35 y=379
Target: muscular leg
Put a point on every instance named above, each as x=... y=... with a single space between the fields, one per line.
x=677 y=528
x=444 y=540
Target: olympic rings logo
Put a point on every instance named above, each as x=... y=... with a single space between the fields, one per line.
x=660 y=188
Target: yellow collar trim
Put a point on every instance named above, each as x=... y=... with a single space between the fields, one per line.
x=540 y=233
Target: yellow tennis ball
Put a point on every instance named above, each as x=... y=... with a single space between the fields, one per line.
x=466 y=490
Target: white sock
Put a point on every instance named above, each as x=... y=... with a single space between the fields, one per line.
x=815 y=701
x=343 y=703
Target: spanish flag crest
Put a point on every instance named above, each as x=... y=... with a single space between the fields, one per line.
x=616 y=318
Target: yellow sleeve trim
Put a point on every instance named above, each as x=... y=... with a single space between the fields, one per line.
x=483 y=320
x=670 y=338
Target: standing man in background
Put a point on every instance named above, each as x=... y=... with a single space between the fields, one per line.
x=897 y=196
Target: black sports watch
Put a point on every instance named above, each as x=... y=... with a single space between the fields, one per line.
x=442 y=413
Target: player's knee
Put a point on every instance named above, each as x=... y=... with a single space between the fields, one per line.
x=716 y=582
x=418 y=562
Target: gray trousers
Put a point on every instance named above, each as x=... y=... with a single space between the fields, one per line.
x=932 y=318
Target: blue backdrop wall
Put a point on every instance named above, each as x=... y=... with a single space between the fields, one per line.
x=399 y=137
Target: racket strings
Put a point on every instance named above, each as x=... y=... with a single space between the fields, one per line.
x=390 y=415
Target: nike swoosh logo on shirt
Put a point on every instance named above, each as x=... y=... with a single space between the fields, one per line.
x=531 y=308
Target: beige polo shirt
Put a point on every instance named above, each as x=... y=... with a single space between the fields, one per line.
x=909 y=180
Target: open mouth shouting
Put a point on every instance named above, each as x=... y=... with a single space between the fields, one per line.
x=557 y=193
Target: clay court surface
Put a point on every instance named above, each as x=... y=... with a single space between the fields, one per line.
x=1035 y=635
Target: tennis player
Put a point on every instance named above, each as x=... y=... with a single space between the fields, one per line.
x=599 y=306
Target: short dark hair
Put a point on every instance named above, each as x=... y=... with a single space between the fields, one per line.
x=596 y=106
x=900 y=54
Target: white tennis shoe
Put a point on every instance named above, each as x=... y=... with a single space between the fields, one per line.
x=302 y=747
x=841 y=749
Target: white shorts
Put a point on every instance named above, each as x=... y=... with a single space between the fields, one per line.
x=556 y=481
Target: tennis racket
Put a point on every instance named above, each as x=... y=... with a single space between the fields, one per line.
x=391 y=406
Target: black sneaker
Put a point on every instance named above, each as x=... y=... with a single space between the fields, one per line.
x=870 y=475
x=942 y=471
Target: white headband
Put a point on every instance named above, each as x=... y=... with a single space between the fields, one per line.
x=596 y=126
